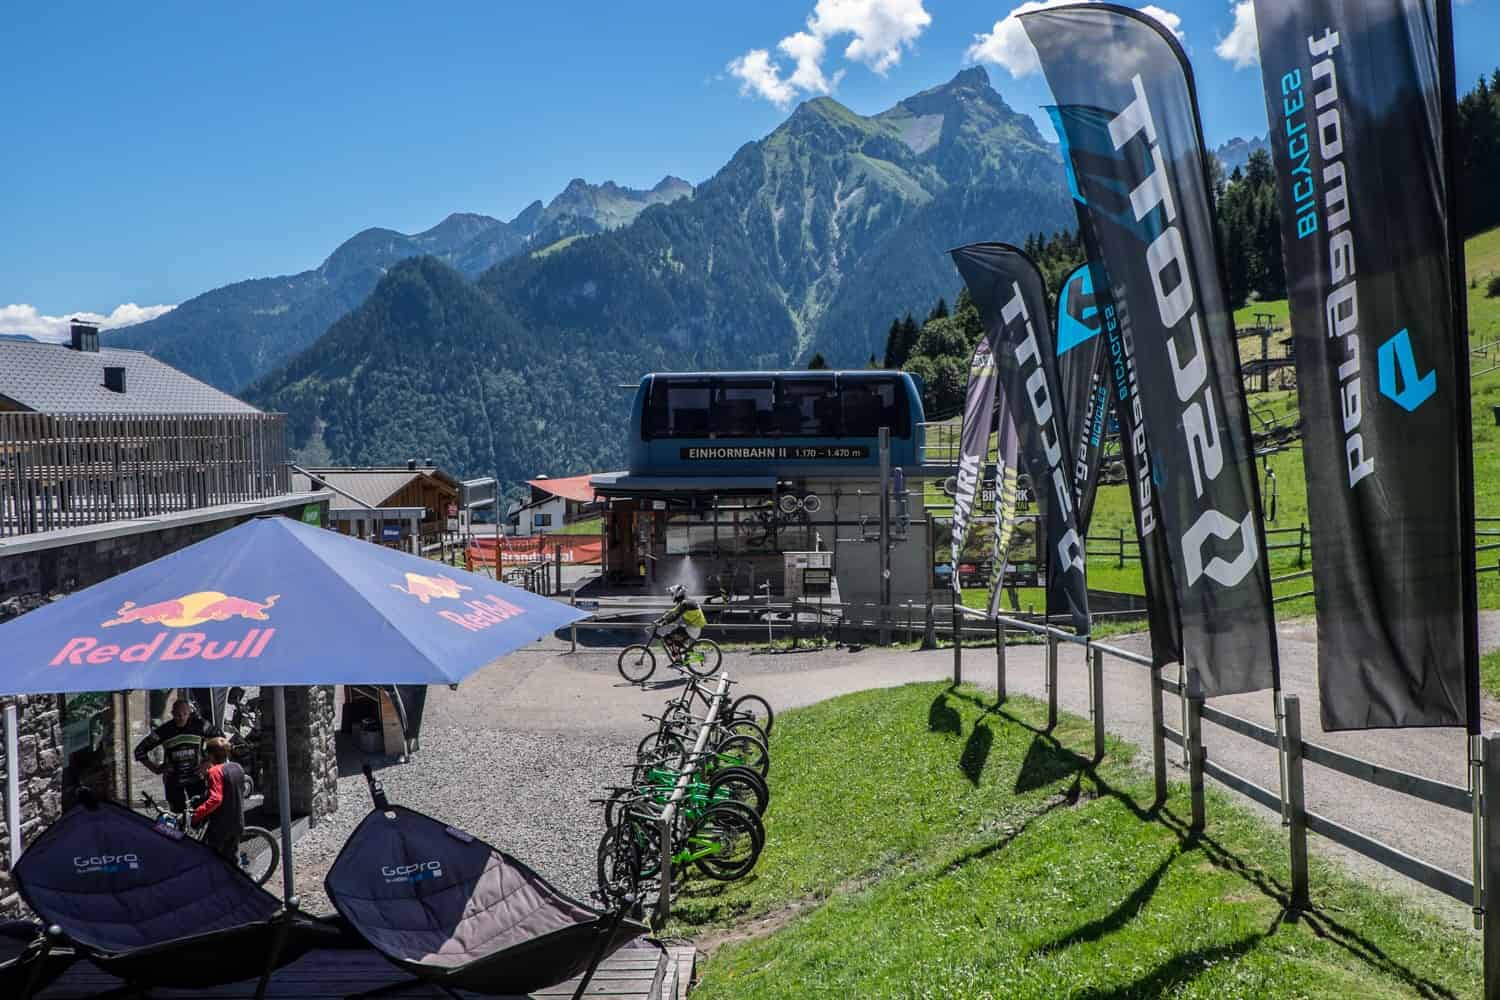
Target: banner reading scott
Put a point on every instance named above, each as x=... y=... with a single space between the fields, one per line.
x=1126 y=101
x=1008 y=290
x=1356 y=134
x=1083 y=376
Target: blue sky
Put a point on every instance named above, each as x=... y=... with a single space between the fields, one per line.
x=160 y=150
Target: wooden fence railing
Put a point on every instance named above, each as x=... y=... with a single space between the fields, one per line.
x=78 y=469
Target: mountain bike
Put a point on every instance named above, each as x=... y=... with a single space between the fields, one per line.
x=637 y=662
x=258 y=853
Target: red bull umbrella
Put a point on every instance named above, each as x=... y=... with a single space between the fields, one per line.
x=273 y=602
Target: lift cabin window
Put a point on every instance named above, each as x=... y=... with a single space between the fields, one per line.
x=743 y=408
x=872 y=403
x=808 y=407
x=679 y=409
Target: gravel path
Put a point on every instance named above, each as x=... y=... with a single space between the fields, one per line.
x=527 y=793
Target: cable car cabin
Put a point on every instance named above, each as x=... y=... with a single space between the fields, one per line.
x=785 y=424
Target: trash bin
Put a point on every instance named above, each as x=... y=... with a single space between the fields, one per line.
x=371 y=739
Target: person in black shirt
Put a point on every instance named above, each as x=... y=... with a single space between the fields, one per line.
x=181 y=739
x=224 y=807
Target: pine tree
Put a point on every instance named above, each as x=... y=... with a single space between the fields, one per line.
x=818 y=362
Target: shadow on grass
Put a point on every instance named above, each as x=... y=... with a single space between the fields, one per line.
x=1178 y=971
x=1064 y=761
x=976 y=752
x=943 y=717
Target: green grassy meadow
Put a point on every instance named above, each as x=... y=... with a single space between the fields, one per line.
x=923 y=842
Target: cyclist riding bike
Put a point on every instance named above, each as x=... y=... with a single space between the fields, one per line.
x=688 y=619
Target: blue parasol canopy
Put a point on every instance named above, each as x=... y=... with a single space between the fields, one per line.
x=273 y=602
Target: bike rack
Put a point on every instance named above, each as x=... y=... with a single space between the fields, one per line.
x=669 y=814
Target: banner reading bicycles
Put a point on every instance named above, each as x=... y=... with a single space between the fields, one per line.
x=1352 y=91
x=1011 y=297
x=973 y=443
x=1125 y=99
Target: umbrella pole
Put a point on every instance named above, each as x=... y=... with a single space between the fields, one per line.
x=283 y=794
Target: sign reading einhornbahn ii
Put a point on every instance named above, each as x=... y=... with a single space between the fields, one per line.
x=752 y=453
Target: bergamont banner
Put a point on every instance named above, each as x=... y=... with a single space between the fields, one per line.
x=1011 y=297
x=1125 y=96
x=1082 y=375
x=973 y=444
x=1007 y=473
x=1352 y=89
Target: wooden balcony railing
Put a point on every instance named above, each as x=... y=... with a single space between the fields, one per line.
x=78 y=469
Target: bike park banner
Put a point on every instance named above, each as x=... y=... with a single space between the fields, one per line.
x=1011 y=297
x=973 y=444
x=1353 y=93
x=1082 y=375
x=1007 y=495
x=1125 y=97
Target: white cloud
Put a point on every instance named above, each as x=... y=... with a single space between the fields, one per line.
x=1241 y=46
x=1006 y=44
x=882 y=30
x=22 y=318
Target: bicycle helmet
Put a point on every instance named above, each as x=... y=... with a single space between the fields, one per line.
x=678 y=592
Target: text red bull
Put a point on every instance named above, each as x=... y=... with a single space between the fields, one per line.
x=486 y=611
x=165 y=647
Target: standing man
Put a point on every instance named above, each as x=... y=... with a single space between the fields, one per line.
x=181 y=738
x=224 y=808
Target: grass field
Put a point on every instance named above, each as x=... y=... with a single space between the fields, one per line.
x=991 y=859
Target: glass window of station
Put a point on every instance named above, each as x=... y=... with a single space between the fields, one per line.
x=749 y=406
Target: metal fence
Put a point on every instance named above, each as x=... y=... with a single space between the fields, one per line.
x=78 y=469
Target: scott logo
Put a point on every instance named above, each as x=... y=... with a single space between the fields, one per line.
x=1171 y=271
x=416 y=872
x=104 y=864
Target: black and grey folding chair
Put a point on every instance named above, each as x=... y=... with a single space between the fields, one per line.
x=154 y=908
x=455 y=912
x=31 y=957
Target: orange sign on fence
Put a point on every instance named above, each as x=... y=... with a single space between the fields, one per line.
x=576 y=550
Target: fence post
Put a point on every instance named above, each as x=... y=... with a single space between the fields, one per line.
x=1296 y=800
x=1490 y=781
x=1193 y=739
x=1158 y=737
x=1122 y=549
x=573 y=630
x=929 y=631
x=1301 y=540
x=1096 y=698
x=1051 y=681
x=958 y=649
x=999 y=662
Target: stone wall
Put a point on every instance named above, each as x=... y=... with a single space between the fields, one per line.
x=40 y=743
x=312 y=754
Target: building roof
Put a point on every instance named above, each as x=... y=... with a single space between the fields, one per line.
x=571 y=488
x=373 y=486
x=54 y=378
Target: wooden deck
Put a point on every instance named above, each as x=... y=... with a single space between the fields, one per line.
x=637 y=972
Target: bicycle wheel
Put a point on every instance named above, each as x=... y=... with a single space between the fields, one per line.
x=258 y=854
x=659 y=746
x=703 y=657
x=742 y=785
x=744 y=751
x=636 y=663
x=744 y=727
x=619 y=865
x=756 y=708
x=724 y=843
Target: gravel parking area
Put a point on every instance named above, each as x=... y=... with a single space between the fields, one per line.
x=526 y=793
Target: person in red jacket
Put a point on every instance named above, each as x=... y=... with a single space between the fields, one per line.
x=223 y=809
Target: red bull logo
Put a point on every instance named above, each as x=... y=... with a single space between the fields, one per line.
x=178 y=613
x=425 y=588
x=483 y=612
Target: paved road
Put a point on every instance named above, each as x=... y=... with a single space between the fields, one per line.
x=546 y=689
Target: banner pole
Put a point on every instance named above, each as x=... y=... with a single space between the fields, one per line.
x=1463 y=405
x=283 y=793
